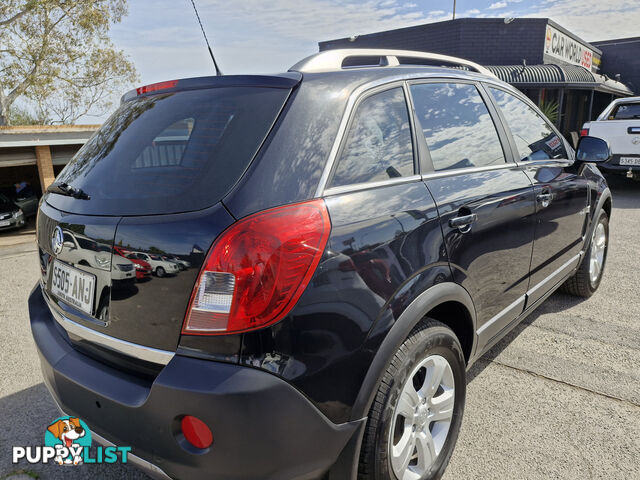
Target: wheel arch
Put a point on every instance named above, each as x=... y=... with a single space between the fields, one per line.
x=449 y=303
x=605 y=202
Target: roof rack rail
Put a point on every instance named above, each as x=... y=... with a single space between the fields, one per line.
x=331 y=60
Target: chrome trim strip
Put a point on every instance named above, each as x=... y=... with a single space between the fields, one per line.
x=149 y=468
x=357 y=92
x=142 y=352
x=502 y=313
x=568 y=265
x=463 y=171
x=366 y=186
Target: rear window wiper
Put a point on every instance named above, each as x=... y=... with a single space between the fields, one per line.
x=68 y=190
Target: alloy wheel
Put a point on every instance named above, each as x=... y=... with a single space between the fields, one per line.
x=422 y=418
x=598 y=249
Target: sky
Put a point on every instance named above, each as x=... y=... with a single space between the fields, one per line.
x=163 y=38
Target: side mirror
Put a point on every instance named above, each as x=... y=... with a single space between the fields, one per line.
x=592 y=149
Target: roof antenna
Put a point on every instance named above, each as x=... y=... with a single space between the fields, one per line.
x=215 y=64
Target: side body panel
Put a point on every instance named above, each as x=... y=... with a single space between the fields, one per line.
x=561 y=222
x=385 y=249
x=491 y=261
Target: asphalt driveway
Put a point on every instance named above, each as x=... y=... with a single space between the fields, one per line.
x=558 y=398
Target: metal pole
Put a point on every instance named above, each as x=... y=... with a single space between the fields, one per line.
x=454 y=10
x=560 y=102
x=591 y=105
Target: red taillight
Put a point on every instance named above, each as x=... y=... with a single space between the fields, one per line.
x=584 y=132
x=257 y=269
x=196 y=432
x=156 y=86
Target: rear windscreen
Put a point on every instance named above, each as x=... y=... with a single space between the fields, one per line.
x=626 y=111
x=172 y=152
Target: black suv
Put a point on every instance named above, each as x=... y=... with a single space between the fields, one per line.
x=356 y=236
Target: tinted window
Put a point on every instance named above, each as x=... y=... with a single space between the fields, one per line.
x=534 y=137
x=378 y=146
x=173 y=152
x=457 y=126
x=626 y=111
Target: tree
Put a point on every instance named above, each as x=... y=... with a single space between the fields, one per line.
x=55 y=55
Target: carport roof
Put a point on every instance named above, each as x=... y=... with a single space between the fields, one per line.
x=35 y=135
x=552 y=75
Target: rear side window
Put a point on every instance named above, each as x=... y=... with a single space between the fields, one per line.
x=173 y=152
x=456 y=125
x=534 y=137
x=378 y=145
x=626 y=111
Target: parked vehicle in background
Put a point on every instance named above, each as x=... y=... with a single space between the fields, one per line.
x=159 y=267
x=368 y=231
x=142 y=268
x=11 y=215
x=84 y=251
x=619 y=125
x=182 y=264
x=24 y=196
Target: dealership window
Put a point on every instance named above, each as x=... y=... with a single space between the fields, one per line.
x=456 y=125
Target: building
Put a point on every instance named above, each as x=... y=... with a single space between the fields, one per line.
x=36 y=154
x=551 y=65
x=622 y=57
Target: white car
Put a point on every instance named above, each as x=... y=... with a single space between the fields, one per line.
x=619 y=125
x=82 y=250
x=182 y=264
x=159 y=266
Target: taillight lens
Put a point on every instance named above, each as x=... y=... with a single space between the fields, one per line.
x=584 y=132
x=257 y=269
x=154 y=87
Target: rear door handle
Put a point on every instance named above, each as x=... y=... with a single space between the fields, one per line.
x=544 y=199
x=463 y=223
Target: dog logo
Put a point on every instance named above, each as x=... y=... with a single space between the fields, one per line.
x=69 y=436
x=57 y=240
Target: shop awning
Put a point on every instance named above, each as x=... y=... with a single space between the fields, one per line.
x=556 y=76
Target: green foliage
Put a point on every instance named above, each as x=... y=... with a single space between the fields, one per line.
x=57 y=56
x=22 y=116
x=550 y=110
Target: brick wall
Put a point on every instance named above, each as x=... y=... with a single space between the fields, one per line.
x=622 y=56
x=488 y=41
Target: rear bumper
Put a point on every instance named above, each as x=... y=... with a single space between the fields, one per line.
x=13 y=223
x=612 y=166
x=263 y=428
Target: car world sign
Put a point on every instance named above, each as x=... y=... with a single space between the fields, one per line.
x=563 y=47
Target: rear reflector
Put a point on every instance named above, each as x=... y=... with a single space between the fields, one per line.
x=196 y=432
x=154 y=87
x=257 y=269
x=584 y=132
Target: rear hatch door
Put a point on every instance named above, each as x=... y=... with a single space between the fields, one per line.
x=150 y=182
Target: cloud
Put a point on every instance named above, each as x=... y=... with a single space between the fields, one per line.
x=593 y=19
x=495 y=6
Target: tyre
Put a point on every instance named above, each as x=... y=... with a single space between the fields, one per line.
x=587 y=278
x=160 y=272
x=417 y=411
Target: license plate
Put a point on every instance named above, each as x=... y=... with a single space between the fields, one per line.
x=73 y=286
x=4 y=223
x=635 y=161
